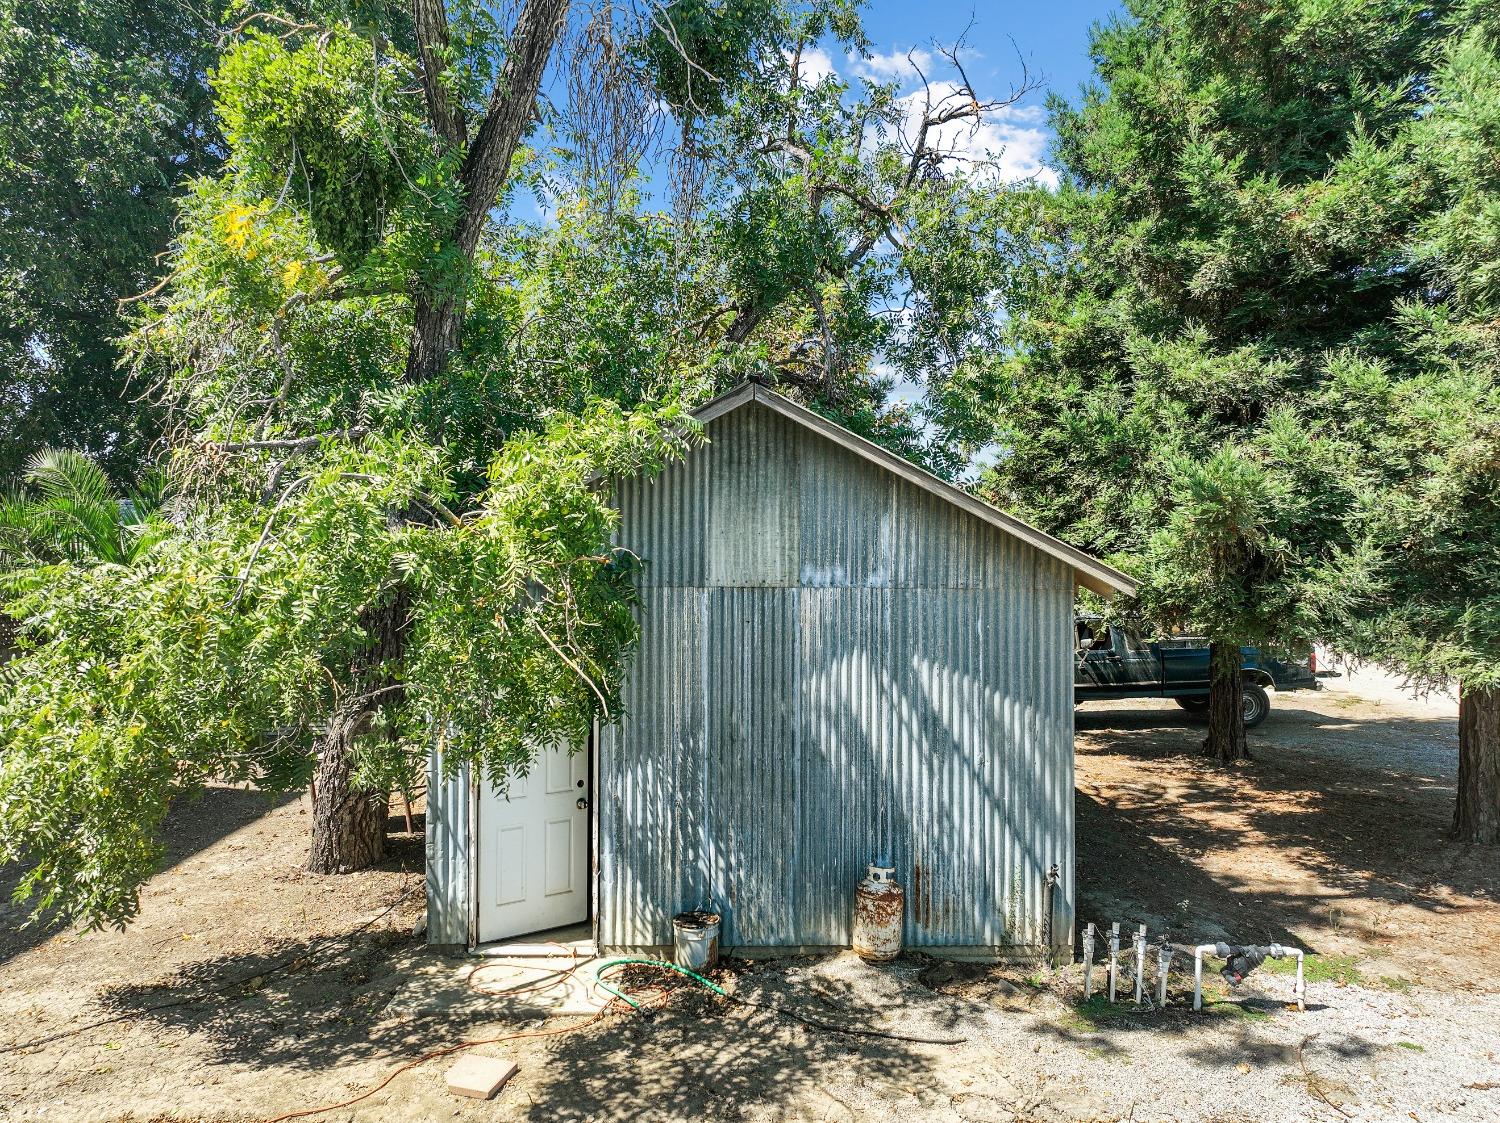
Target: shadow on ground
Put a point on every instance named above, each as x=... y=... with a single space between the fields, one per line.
x=316 y=1005
x=1321 y=795
x=216 y=813
x=704 y=1059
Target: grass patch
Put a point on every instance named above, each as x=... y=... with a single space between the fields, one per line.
x=1412 y=1045
x=1340 y=969
x=1398 y=983
x=1234 y=1011
x=1095 y=1014
x=1099 y=1054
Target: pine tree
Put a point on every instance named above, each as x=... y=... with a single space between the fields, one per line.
x=1232 y=212
x=1428 y=419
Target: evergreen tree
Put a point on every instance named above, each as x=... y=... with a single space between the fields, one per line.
x=1232 y=211
x=1427 y=419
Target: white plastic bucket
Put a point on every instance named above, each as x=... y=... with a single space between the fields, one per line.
x=695 y=940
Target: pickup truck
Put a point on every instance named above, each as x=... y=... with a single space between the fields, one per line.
x=1113 y=661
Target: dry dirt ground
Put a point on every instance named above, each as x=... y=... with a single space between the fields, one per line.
x=250 y=990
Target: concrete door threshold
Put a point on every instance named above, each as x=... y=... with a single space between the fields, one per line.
x=576 y=941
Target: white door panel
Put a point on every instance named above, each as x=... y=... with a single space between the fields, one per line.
x=533 y=849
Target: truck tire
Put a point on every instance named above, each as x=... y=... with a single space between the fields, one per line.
x=1257 y=705
x=1193 y=705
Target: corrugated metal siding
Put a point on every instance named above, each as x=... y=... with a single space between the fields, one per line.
x=448 y=850
x=834 y=664
x=652 y=859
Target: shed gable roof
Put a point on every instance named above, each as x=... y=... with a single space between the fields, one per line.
x=1089 y=571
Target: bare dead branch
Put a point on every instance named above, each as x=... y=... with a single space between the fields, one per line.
x=291 y=444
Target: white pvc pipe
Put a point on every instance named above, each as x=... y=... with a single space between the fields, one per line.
x=1277 y=952
x=1088 y=961
x=1163 y=969
x=1198 y=953
x=1140 y=963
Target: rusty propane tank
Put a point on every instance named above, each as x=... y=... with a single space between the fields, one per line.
x=879 y=909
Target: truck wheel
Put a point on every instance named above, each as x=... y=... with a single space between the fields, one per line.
x=1193 y=705
x=1257 y=705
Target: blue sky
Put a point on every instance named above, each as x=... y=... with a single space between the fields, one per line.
x=1053 y=38
x=1052 y=35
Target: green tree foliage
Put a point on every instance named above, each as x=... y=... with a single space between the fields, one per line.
x=105 y=116
x=227 y=651
x=361 y=562
x=1427 y=418
x=1233 y=214
x=1430 y=418
x=389 y=450
x=836 y=226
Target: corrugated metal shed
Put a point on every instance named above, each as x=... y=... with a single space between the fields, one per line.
x=841 y=656
x=449 y=845
x=836 y=662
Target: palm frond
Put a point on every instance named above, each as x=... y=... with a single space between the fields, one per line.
x=65 y=473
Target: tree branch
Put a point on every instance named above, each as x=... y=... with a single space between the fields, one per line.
x=431 y=25
x=265 y=532
x=512 y=104
x=603 y=705
x=291 y=444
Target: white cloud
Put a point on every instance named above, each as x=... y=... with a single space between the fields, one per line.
x=814 y=65
x=893 y=67
x=1031 y=114
x=1006 y=144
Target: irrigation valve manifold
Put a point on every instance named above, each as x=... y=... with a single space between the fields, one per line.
x=1239 y=961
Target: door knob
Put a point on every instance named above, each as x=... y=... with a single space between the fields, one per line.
x=582 y=804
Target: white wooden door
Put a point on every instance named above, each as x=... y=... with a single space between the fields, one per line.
x=533 y=849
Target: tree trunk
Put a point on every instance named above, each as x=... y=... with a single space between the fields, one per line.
x=348 y=822
x=436 y=329
x=1226 y=705
x=1477 y=815
x=437 y=321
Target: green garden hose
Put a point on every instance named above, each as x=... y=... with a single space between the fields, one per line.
x=662 y=964
x=623 y=997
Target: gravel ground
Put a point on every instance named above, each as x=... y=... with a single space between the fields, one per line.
x=1029 y=1053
